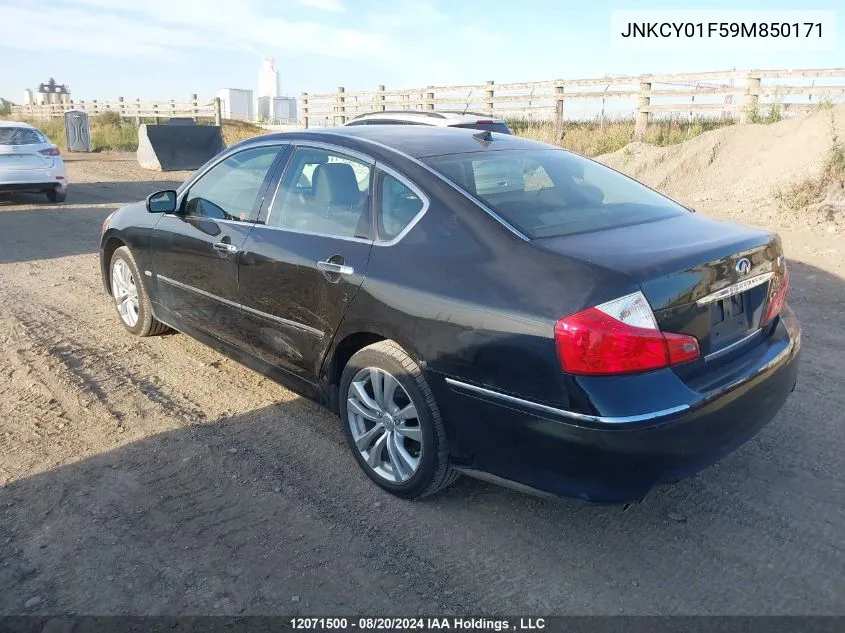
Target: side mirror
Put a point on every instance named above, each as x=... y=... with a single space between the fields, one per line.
x=162 y=201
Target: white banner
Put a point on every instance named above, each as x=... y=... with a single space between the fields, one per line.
x=722 y=30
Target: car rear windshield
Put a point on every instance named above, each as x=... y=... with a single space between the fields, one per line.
x=20 y=136
x=550 y=193
x=493 y=126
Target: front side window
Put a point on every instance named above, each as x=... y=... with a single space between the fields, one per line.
x=323 y=192
x=398 y=206
x=550 y=193
x=230 y=190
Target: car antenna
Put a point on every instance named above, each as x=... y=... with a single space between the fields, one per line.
x=484 y=136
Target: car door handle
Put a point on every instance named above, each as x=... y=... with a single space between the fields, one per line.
x=331 y=267
x=225 y=247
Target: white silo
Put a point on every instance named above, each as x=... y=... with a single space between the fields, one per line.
x=268 y=78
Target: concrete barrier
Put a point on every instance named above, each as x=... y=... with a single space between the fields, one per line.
x=177 y=147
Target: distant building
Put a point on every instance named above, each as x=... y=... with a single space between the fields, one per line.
x=27 y=97
x=236 y=103
x=268 y=79
x=52 y=93
x=271 y=106
x=271 y=109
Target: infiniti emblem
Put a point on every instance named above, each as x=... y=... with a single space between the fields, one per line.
x=743 y=266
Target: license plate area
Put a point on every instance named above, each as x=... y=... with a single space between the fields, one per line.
x=21 y=161
x=730 y=320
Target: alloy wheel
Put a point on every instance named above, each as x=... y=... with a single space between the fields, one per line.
x=385 y=425
x=125 y=292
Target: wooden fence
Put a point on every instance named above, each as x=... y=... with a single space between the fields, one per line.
x=739 y=94
x=734 y=93
x=127 y=109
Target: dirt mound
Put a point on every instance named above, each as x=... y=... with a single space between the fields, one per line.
x=738 y=171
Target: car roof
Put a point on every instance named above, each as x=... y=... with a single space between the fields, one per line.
x=433 y=117
x=412 y=140
x=17 y=124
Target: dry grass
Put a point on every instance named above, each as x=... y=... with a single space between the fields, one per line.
x=110 y=133
x=237 y=131
x=813 y=190
x=592 y=138
x=107 y=134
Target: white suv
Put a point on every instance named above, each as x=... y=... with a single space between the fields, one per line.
x=470 y=120
x=30 y=162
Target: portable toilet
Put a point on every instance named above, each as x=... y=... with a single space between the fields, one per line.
x=78 y=131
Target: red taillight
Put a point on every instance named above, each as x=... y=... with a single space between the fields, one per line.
x=777 y=299
x=619 y=337
x=53 y=151
x=483 y=121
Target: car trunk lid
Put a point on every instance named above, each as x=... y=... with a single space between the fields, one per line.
x=702 y=277
x=14 y=157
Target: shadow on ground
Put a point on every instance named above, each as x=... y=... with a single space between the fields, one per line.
x=83 y=193
x=32 y=228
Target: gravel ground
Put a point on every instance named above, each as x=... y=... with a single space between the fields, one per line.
x=156 y=476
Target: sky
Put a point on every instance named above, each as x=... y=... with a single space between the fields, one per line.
x=169 y=49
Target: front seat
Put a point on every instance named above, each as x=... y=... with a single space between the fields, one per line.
x=336 y=192
x=335 y=186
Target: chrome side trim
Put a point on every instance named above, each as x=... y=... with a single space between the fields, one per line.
x=294 y=324
x=417 y=191
x=203 y=293
x=580 y=417
x=340 y=149
x=301 y=232
x=265 y=315
x=182 y=216
x=742 y=286
x=223 y=221
x=465 y=194
x=732 y=346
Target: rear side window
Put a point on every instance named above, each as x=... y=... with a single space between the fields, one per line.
x=398 y=206
x=323 y=192
x=550 y=193
x=21 y=136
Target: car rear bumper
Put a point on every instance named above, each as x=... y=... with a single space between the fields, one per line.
x=31 y=186
x=35 y=178
x=616 y=460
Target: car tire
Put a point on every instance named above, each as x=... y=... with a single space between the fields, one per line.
x=130 y=296
x=57 y=195
x=393 y=457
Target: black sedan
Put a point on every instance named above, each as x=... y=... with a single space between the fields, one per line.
x=470 y=302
